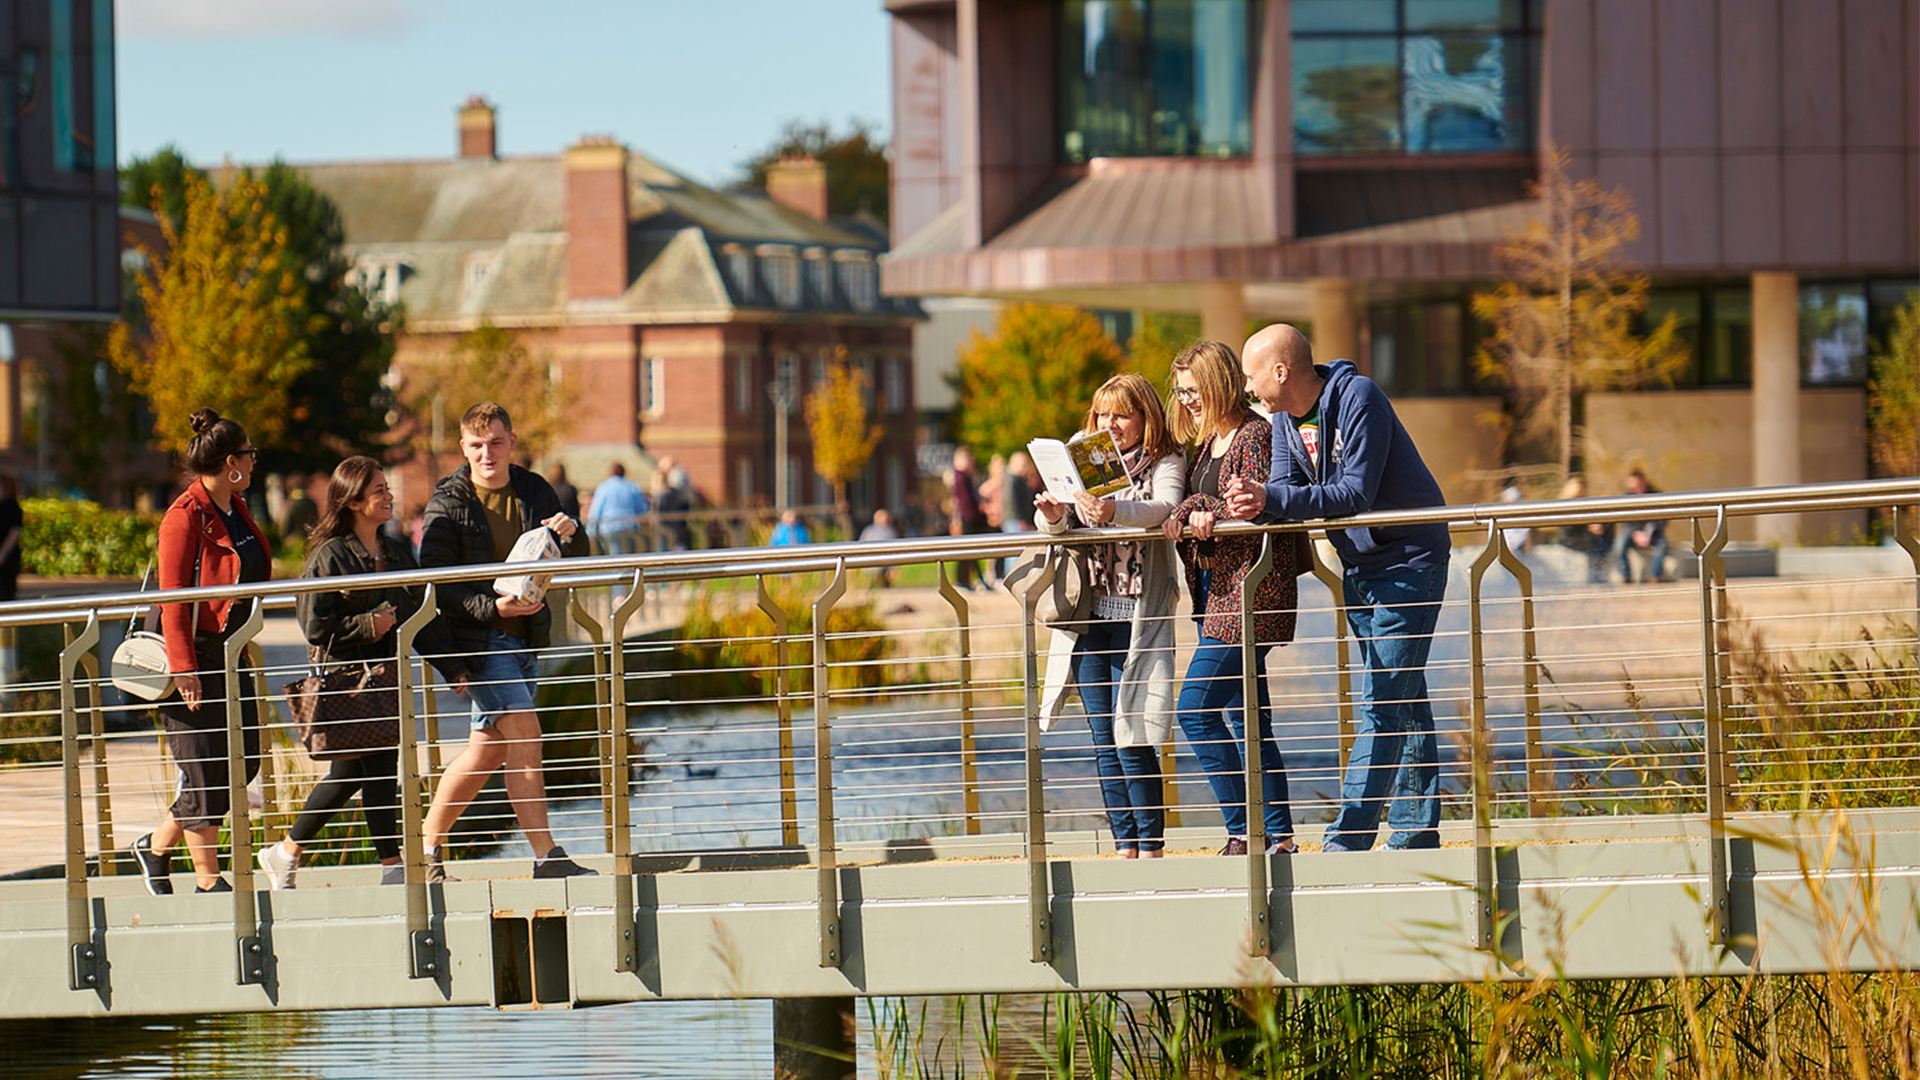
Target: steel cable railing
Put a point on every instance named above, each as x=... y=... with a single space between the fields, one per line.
x=1568 y=698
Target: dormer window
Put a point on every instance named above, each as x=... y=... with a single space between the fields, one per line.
x=379 y=277
x=737 y=263
x=859 y=279
x=782 y=263
x=820 y=276
x=479 y=270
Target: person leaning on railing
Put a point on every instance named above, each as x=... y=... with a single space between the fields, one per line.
x=207 y=538
x=355 y=627
x=1230 y=442
x=1121 y=658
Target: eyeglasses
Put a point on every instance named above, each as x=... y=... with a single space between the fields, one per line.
x=249 y=452
x=1186 y=393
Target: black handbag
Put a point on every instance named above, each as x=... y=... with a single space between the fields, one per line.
x=346 y=710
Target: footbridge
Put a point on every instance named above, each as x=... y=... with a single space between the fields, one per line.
x=817 y=784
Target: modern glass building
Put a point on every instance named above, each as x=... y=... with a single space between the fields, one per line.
x=1351 y=164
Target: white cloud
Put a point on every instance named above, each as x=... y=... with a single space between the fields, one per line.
x=201 y=20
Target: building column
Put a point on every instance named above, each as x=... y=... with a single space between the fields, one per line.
x=1336 y=330
x=1223 y=313
x=1776 y=396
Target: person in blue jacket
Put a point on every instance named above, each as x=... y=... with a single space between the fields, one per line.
x=1339 y=450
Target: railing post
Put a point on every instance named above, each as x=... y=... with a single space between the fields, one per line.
x=619 y=794
x=789 y=799
x=250 y=966
x=422 y=949
x=1480 y=747
x=1903 y=534
x=1039 y=922
x=602 y=704
x=1342 y=648
x=1538 y=780
x=84 y=969
x=1259 y=930
x=102 y=787
x=969 y=761
x=1713 y=599
x=831 y=954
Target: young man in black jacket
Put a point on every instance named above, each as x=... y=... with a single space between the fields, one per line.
x=475 y=515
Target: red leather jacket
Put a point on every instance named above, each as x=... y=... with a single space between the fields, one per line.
x=192 y=530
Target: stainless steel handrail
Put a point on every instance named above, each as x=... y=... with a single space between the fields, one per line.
x=856 y=555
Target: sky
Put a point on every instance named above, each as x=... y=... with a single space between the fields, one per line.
x=697 y=85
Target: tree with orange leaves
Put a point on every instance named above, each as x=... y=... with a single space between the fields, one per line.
x=837 y=417
x=223 y=313
x=1565 y=322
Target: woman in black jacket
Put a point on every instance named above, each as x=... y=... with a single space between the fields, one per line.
x=352 y=627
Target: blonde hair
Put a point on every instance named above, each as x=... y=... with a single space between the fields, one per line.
x=1130 y=393
x=1223 y=391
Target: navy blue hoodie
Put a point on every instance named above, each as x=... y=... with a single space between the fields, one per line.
x=1367 y=462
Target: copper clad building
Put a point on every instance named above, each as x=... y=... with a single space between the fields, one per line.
x=1352 y=163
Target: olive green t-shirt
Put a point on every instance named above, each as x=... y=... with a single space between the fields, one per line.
x=502 y=508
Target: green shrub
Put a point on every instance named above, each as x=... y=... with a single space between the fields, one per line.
x=726 y=646
x=65 y=538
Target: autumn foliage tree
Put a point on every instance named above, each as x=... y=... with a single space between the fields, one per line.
x=487 y=363
x=1033 y=378
x=221 y=315
x=843 y=439
x=1893 y=395
x=1566 y=320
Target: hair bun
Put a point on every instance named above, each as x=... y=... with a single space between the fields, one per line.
x=204 y=419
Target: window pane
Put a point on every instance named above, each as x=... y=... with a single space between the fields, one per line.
x=1833 y=333
x=1103 y=83
x=1883 y=299
x=1684 y=306
x=1317 y=16
x=1198 y=65
x=1463 y=15
x=1346 y=95
x=1456 y=96
x=1727 y=361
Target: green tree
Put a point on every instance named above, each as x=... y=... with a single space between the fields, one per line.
x=487 y=363
x=339 y=405
x=843 y=439
x=1893 y=394
x=1032 y=378
x=88 y=417
x=856 y=164
x=222 y=319
x=1157 y=338
x=1566 y=320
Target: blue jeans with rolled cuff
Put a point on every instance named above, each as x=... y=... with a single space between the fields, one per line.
x=1129 y=775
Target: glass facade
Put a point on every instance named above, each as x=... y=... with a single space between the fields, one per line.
x=1414 y=76
x=1156 y=78
x=1833 y=333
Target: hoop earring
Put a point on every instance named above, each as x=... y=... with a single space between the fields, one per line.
x=234 y=477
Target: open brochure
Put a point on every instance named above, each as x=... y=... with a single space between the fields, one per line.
x=1088 y=462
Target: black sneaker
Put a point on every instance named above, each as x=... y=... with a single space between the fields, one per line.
x=1236 y=845
x=436 y=870
x=557 y=865
x=154 y=866
x=219 y=885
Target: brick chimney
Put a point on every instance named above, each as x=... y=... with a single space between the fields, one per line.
x=596 y=218
x=476 y=129
x=800 y=182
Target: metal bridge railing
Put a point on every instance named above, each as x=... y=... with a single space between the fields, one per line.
x=782 y=705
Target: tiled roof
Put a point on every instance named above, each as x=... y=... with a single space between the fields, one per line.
x=441 y=218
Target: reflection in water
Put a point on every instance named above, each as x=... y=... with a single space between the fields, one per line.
x=665 y=1040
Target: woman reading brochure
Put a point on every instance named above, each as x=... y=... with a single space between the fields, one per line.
x=1121 y=658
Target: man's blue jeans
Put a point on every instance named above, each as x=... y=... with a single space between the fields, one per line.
x=1129 y=775
x=1212 y=713
x=1392 y=619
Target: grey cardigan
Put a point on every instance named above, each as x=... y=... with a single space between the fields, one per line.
x=1144 y=702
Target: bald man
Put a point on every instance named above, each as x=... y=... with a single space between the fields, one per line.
x=1344 y=452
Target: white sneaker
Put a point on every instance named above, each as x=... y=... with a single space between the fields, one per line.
x=279 y=865
x=393 y=875
x=1283 y=847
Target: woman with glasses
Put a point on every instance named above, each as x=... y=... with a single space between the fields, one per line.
x=1121 y=658
x=207 y=538
x=1228 y=440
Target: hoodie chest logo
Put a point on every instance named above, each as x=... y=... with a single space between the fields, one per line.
x=1339 y=446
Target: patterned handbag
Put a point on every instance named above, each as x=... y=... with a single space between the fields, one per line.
x=346 y=710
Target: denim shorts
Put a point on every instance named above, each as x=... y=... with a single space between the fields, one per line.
x=504 y=684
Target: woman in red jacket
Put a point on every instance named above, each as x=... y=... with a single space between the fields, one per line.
x=207 y=538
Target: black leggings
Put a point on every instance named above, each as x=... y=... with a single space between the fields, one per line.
x=373 y=776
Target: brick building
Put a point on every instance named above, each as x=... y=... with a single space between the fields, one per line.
x=671 y=307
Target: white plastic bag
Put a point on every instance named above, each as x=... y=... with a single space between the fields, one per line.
x=535 y=545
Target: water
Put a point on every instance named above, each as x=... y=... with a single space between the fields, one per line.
x=669 y=1040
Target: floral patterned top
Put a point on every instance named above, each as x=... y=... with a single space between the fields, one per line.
x=1248 y=455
